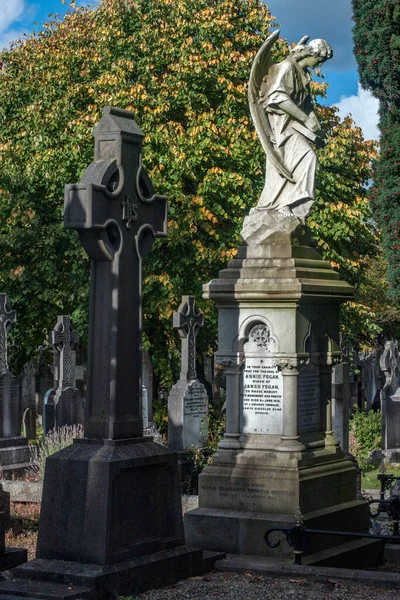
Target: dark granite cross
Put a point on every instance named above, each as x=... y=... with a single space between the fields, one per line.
x=188 y=320
x=117 y=215
x=62 y=338
x=7 y=319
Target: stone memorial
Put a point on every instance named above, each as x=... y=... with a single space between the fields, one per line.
x=188 y=400
x=14 y=449
x=390 y=400
x=147 y=381
x=278 y=340
x=45 y=376
x=341 y=398
x=63 y=404
x=111 y=517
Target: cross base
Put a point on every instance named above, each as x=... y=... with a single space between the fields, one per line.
x=97 y=582
x=106 y=501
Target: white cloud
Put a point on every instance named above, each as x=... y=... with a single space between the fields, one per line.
x=364 y=111
x=10 y=11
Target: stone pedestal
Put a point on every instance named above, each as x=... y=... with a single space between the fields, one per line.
x=278 y=306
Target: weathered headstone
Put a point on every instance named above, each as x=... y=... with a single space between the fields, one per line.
x=188 y=400
x=147 y=381
x=14 y=449
x=9 y=557
x=341 y=398
x=29 y=423
x=64 y=405
x=390 y=399
x=112 y=533
x=45 y=376
x=28 y=391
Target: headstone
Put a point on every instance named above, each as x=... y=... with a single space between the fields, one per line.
x=14 y=449
x=121 y=530
x=390 y=397
x=64 y=406
x=29 y=423
x=278 y=307
x=371 y=377
x=188 y=400
x=9 y=557
x=28 y=386
x=45 y=376
x=341 y=399
x=147 y=382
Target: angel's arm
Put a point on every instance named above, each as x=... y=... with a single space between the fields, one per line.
x=310 y=121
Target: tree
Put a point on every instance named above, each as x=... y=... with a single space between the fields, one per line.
x=182 y=67
x=377 y=50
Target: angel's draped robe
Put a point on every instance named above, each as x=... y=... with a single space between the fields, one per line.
x=286 y=80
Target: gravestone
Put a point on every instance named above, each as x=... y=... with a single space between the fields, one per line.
x=148 y=382
x=390 y=400
x=45 y=376
x=341 y=399
x=188 y=400
x=111 y=510
x=9 y=557
x=14 y=449
x=63 y=404
x=28 y=391
x=278 y=307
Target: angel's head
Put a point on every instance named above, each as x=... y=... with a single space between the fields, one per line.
x=317 y=51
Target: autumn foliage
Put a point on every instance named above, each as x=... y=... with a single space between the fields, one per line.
x=182 y=67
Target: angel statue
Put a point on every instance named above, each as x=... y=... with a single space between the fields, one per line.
x=282 y=111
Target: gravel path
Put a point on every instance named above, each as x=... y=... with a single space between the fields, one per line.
x=245 y=586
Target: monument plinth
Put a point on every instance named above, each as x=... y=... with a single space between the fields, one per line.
x=278 y=320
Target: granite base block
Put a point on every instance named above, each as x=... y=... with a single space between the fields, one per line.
x=242 y=532
x=105 y=503
x=12 y=557
x=106 y=582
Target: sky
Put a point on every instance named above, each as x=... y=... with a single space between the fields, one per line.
x=327 y=19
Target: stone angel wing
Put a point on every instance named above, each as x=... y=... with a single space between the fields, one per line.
x=259 y=70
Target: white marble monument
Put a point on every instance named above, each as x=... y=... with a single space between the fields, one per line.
x=278 y=309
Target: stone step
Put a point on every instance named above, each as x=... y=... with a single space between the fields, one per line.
x=356 y=554
x=16 y=589
x=210 y=558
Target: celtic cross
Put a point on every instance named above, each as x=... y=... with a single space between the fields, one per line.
x=7 y=319
x=117 y=215
x=62 y=338
x=188 y=320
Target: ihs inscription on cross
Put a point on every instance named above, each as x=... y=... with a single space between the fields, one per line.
x=188 y=320
x=117 y=215
x=62 y=338
x=7 y=319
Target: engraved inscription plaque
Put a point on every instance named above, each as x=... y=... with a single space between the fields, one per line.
x=309 y=403
x=261 y=397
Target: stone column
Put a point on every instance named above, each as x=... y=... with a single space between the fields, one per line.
x=290 y=438
x=326 y=367
x=232 y=372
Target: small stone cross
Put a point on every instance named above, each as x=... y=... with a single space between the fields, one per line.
x=7 y=319
x=117 y=215
x=62 y=338
x=188 y=320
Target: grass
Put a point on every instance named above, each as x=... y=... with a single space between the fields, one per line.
x=369 y=476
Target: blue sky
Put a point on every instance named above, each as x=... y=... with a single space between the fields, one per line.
x=329 y=19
